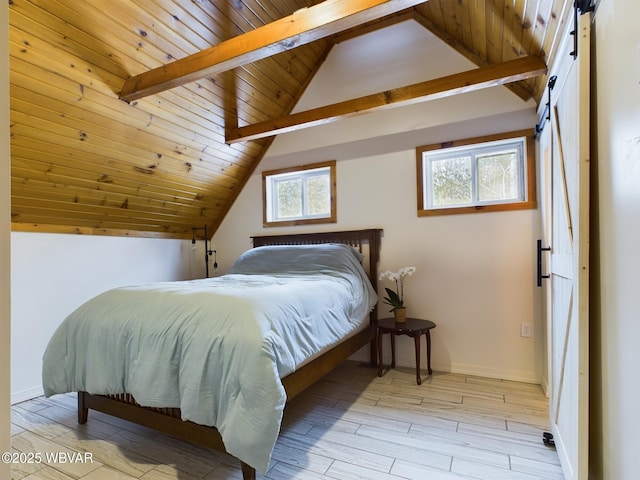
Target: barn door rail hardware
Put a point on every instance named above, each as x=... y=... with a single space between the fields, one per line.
x=582 y=7
x=546 y=113
x=540 y=250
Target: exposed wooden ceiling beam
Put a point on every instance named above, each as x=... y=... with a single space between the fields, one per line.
x=483 y=77
x=302 y=27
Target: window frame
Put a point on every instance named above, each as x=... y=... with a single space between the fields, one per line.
x=311 y=220
x=528 y=169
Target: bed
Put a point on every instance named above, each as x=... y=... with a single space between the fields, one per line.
x=156 y=355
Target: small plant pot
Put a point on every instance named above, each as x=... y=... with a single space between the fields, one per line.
x=400 y=315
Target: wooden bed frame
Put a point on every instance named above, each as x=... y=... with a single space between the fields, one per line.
x=168 y=420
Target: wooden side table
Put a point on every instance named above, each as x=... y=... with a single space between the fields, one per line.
x=413 y=327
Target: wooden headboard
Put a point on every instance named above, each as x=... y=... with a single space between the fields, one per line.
x=365 y=241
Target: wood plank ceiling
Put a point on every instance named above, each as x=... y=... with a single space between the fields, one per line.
x=85 y=161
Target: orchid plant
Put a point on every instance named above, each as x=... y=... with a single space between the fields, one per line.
x=395 y=298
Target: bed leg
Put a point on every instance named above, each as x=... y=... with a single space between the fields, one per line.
x=83 y=411
x=248 y=472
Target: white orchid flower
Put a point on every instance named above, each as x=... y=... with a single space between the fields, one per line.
x=396 y=298
x=406 y=271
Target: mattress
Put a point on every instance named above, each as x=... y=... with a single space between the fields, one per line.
x=216 y=348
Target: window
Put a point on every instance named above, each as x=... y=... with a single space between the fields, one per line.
x=300 y=195
x=475 y=175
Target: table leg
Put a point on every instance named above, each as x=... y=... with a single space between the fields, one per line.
x=393 y=350
x=417 y=342
x=379 y=353
x=429 y=352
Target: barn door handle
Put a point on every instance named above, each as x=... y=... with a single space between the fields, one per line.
x=540 y=250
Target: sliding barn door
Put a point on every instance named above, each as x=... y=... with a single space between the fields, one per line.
x=565 y=204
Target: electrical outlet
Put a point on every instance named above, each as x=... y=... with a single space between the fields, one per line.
x=525 y=329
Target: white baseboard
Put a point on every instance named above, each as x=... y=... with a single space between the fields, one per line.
x=511 y=375
x=458 y=368
x=24 y=395
x=462 y=369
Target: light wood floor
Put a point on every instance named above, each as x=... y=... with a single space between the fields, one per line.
x=352 y=425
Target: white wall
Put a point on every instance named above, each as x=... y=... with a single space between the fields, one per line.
x=615 y=419
x=53 y=274
x=5 y=235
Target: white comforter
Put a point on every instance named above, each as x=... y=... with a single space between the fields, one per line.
x=215 y=348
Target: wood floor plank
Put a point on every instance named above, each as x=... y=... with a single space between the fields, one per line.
x=495 y=444
x=518 y=413
x=482 y=471
x=322 y=417
x=452 y=413
x=95 y=428
x=109 y=453
x=35 y=423
x=384 y=410
x=108 y=473
x=535 y=430
x=169 y=472
x=350 y=425
x=31 y=442
x=336 y=451
x=355 y=417
x=24 y=469
x=442 y=444
x=348 y=471
x=548 y=471
x=281 y=471
x=528 y=400
x=174 y=453
x=527 y=438
x=383 y=442
x=48 y=473
x=414 y=471
x=297 y=456
x=34 y=404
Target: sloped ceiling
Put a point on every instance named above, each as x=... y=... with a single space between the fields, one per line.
x=85 y=161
